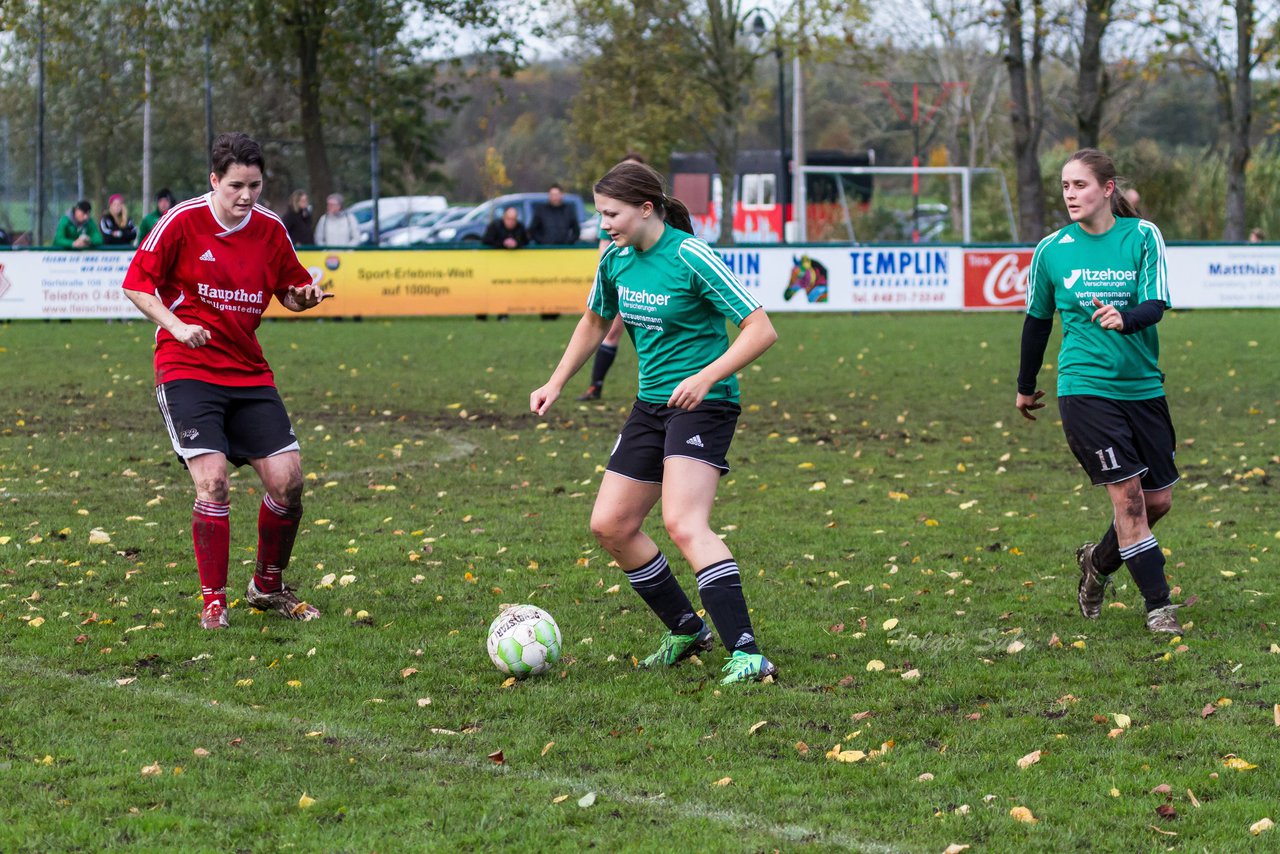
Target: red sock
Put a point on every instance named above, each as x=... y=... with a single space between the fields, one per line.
x=211 y=535
x=277 y=529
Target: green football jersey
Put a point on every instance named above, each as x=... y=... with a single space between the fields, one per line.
x=1124 y=267
x=674 y=298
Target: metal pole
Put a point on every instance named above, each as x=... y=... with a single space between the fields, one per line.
x=784 y=191
x=915 y=161
x=40 y=201
x=799 y=194
x=966 y=195
x=373 y=143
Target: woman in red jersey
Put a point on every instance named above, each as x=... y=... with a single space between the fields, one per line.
x=204 y=275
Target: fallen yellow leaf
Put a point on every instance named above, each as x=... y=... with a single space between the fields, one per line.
x=755 y=727
x=723 y=781
x=875 y=664
x=1023 y=814
x=889 y=624
x=1122 y=721
x=152 y=770
x=1262 y=826
x=1238 y=764
x=1030 y=759
x=306 y=802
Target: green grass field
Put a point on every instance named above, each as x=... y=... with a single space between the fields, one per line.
x=881 y=474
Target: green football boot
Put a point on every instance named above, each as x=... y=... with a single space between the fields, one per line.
x=747 y=667
x=676 y=648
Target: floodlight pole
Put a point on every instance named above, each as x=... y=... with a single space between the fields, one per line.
x=40 y=201
x=758 y=29
x=947 y=87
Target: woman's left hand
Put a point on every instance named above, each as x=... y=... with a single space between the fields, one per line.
x=308 y=296
x=690 y=392
x=1107 y=316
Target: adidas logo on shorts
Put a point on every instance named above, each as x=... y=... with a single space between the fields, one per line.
x=696 y=441
x=207 y=256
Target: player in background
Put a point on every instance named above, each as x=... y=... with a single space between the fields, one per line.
x=204 y=275
x=673 y=293
x=608 y=349
x=1105 y=273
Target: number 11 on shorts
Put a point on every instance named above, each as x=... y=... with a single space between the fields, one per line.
x=1106 y=456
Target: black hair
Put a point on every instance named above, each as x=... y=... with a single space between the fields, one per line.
x=635 y=184
x=83 y=206
x=232 y=148
x=165 y=194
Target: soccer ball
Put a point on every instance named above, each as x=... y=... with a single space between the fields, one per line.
x=524 y=641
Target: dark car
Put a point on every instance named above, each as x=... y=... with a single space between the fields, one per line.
x=470 y=228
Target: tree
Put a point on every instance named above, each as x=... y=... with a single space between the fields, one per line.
x=1026 y=115
x=634 y=93
x=1092 y=81
x=1228 y=42
x=348 y=60
x=666 y=73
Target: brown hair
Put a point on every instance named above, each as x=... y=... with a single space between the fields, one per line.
x=1104 y=169
x=232 y=148
x=635 y=184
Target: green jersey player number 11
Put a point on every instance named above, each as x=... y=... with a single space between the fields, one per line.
x=1105 y=275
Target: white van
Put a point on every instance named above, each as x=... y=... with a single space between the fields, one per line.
x=391 y=210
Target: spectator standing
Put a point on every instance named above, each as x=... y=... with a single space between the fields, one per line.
x=506 y=233
x=297 y=220
x=337 y=227
x=116 y=226
x=554 y=223
x=164 y=201
x=76 y=229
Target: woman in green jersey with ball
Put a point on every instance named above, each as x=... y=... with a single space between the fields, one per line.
x=673 y=293
x=1105 y=274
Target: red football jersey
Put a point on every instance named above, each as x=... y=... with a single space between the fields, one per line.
x=218 y=278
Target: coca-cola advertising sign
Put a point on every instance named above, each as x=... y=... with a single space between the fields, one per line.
x=996 y=279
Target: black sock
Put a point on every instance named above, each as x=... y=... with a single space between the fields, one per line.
x=604 y=361
x=720 y=587
x=1106 y=554
x=664 y=596
x=1146 y=565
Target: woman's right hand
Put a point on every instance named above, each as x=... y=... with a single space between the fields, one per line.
x=540 y=399
x=191 y=335
x=1028 y=402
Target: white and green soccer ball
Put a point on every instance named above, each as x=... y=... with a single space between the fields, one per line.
x=524 y=641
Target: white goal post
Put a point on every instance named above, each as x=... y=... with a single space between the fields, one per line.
x=966 y=174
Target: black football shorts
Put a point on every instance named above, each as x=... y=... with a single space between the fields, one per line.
x=242 y=424
x=654 y=432
x=1115 y=440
